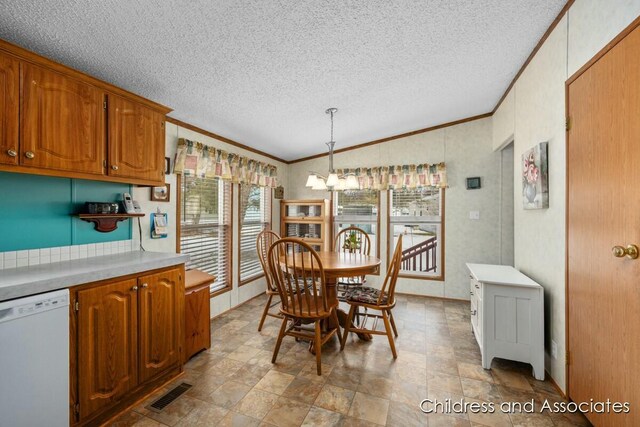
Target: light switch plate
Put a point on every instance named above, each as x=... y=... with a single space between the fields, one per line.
x=475 y=215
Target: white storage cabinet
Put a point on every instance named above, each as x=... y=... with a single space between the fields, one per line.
x=507 y=315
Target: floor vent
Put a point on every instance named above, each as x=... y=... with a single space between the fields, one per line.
x=169 y=397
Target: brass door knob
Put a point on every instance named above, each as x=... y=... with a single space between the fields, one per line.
x=29 y=155
x=134 y=288
x=631 y=251
x=114 y=167
x=144 y=286
x=618 y=251
x=12 y=153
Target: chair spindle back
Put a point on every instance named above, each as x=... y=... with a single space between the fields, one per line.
x=263 y=242
x=298 y=275
x=361 y=236
x=389 y=285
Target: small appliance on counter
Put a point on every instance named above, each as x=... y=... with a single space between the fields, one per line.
x=101 y=207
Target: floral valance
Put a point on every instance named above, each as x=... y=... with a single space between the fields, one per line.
x=399 y=177
x=195 y=158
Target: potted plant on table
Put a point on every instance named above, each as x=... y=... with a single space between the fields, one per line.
x=351 y=243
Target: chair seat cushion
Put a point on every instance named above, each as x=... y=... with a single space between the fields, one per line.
x=364 y=294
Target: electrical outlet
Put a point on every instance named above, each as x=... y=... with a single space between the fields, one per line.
x=554 y=349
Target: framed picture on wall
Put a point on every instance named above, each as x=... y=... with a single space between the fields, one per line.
x=161 y=194
x=535 y=177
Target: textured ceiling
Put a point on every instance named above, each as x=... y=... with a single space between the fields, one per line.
x=263 y=72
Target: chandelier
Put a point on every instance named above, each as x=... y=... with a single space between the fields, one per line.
x=332 y=181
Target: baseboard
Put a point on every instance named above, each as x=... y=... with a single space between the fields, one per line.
x=555 y=385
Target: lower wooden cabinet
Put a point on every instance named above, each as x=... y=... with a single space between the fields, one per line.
x=160 y=295
x=107 y=344
x=197 y=326
x=127 y=338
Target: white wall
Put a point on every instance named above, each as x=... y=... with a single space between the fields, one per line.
x=467 y=151
x=238 y=294
x=506 y=205
x=538 y=112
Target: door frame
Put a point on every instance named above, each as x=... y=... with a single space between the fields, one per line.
x=617 y=39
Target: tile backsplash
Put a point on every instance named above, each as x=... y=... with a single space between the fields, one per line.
x=14 y=259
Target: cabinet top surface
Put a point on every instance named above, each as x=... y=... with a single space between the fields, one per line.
x=194 y=278
x=23 y=281
x=500 y=275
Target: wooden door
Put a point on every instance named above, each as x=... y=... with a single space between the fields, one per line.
x=62 y=122
x=604 y=211
x=107 y=344
x=136 y=140
x=161 y=321
x=9 y=108
x=197 y=321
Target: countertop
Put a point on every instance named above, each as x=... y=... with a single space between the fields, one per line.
x=500 y=275
x=24 y=281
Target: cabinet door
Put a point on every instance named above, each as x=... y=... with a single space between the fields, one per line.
x=9 y=107
x=107 y=344
x=161 y=321
x=136 y=140
x=197 y=326
x=62 y=124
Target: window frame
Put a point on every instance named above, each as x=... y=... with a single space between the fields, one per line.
x=441 y=244
x=335 y=222
x=242 y=282
x=229 y=267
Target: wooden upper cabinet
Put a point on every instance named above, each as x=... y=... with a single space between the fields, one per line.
x=9 y=108
x=136 y=140
x=107 y=344
x=63 y=122
x=161 y=321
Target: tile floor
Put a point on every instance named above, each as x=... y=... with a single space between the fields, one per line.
x=235 y=384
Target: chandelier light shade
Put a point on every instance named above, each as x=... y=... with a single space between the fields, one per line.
x=341 y=185
x=332 y=179
x=311 y=180
x=319 y=185
x=352 y=183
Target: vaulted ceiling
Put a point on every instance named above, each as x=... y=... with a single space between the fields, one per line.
x=263 y=72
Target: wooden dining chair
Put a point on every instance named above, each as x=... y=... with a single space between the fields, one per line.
x=363 y=247
x=263 y=243
x=297 y=272
x=382 y=300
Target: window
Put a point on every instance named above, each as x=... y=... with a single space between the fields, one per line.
x=358 y=208
x=255 y=216
x=417 y=215
x=205 y=227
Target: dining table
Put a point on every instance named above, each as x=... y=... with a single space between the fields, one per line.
x=338 y=265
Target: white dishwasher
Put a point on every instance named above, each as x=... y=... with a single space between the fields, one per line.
x=34 y=360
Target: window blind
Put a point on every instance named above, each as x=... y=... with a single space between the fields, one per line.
x=360 y=204
x=205 y=227
x=421 y=203
x=255 y=215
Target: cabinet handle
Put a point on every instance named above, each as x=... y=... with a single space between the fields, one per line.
x=29 y=155
x=134 y=288
x=145 y=286
x=12 y=153
x=477 y=286
x=471 y=292
x=473 y=312
x=114 y=167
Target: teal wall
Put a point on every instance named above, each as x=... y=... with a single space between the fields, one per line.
x=35 y=211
